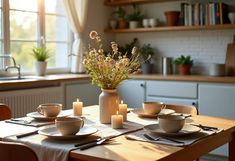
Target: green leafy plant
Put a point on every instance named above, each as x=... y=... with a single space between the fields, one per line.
x=126 y=49
x=183 y=60
x=135 y=15
x=40 y=54
x=146 y=52
x=120 y=13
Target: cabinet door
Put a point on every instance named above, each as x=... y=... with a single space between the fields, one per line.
x=217 y=100
x=171 y=89
x=84 y=91
x=177 y=101
x=132 y=92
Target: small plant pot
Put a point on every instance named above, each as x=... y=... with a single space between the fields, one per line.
x=147 y=68
x=41 y=67
x=134 y=24
x=113 y=24
x=172 y=18
x=122 y=24
x=184 y=69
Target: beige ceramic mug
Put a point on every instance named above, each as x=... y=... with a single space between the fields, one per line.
x=49 y=109
x=152 y=108
x=171 y=123
x=69 y=125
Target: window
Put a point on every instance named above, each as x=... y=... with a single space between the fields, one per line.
x=36 y=23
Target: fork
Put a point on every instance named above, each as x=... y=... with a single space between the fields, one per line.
x=25 y=121
x=159 y=138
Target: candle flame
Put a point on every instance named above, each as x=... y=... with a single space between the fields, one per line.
x=77 y=100
x=117 y=113
x=121 y=101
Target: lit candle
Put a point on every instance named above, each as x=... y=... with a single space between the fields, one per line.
x=116 y=121
x=77 y=108
x=123 y=110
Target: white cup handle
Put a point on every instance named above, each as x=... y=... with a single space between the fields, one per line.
x=82 y=123
x=163 y=106
x=39 y=109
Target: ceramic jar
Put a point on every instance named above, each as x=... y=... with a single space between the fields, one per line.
x=108 y=104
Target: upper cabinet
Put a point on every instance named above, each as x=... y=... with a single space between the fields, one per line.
x=206 y=16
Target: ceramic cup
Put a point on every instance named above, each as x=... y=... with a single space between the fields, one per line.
x=49 y=109
x=145 y=23
x=152 y=108
x=231 y=17
x=69 y=125
x=171 y=123
x=152 y=22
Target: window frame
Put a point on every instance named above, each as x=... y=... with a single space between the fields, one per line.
x=41 y=35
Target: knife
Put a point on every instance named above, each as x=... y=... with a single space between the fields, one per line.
x=91 y=144
x=101 y=140
x=205 y=127
x=26 y=134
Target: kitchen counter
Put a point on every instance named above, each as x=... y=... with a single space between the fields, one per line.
x=40 y=81
x=192 y=78
x=53 y=80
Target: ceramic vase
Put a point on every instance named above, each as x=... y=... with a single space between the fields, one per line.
x=108 y=104
x=41 y=67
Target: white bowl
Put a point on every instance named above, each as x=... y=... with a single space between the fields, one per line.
x=69 y=125
x=171 y=123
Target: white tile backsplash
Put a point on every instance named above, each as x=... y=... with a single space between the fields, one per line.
x=204 y=46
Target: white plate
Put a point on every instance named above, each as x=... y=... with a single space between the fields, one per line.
x=186 y=130
x=140 y=112
x=52 y=132
x=40 y=117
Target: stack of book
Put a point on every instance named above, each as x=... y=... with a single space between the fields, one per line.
x=204 y=14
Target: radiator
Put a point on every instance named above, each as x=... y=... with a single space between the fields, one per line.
x=24 y=101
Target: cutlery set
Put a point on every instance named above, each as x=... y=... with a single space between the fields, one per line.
x=206 y=128
x=149 y=137
x=101 y=140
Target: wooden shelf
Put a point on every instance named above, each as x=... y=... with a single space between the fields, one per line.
x=173 y=28
x=128 y=2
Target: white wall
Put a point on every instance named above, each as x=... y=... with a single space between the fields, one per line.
x=208 y=46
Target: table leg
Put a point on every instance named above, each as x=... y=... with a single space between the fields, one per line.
x=231 y=152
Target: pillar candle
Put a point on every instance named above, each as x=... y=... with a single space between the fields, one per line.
x=123 y=110
x=77 y=108
x=116 y=121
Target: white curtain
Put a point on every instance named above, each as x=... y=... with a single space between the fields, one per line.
x=77 y=13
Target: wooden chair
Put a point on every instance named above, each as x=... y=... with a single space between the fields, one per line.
x=5 y=112
x=187 y=109
x=11 y=151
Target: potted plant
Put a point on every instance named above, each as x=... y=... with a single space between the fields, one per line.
x=41 y=55
x=135 y=17
x=127 y=48
x=121 y=14
x=184 y=64
x=146 y=52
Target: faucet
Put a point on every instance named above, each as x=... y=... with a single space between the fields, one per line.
x=14 y=64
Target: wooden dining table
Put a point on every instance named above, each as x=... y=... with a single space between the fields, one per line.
x=123 y=149
x=129 y=150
